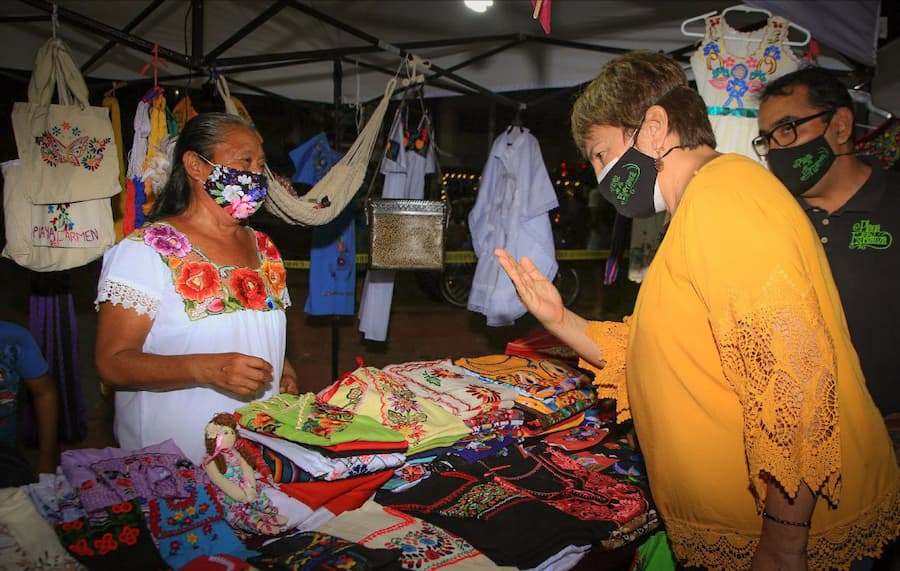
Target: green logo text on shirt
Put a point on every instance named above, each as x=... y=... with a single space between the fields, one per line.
x=868 y=235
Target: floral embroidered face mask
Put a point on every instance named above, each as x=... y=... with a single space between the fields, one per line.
x=240 y=193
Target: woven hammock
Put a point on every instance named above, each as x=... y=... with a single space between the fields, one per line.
x=329 y=196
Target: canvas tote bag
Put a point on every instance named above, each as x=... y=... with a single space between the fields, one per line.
x=52 y=237
x=67 y=150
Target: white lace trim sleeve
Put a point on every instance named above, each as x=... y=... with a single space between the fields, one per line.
x=129 y=296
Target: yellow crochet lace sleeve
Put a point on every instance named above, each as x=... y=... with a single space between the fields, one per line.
x=778 y=356
x=760 y=277
x=612 y=338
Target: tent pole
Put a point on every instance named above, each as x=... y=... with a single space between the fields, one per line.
x=197 y=18
x=22 y=19
x=128 y=27
x=108 y=32
x=338 y=79
x=391 y=72
x=391 y=48
x=328 y=54
x=578 y=45
x=245 y=30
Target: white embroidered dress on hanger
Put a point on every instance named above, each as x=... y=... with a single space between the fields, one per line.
x=510 y=212
x=731 y=74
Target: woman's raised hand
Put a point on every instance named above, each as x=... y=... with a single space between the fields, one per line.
x=537 y=293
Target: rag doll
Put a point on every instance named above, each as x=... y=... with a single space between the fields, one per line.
x=248 y=507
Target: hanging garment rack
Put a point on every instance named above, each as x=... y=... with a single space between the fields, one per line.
x=746 y=9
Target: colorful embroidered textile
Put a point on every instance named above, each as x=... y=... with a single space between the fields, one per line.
x=118 y=543
x=55 y=498
x=578 y=438
x=468 y=501
x=409 y=474
x=542 y=345
x=444 y=383
x=368 y=391
x=567 y=405
x=315 y=550
x=307 y=419
x=209 y=289
x=322 y=467
x=563 y=404
x=423 y=546
x=332 y=257
x=282 y=469
x=536 y=378
x=506 y=420
x=545 y=473
x=108 y=476
x=187 y=528
x=478 y=447
x=526 y=431
x=882 y=143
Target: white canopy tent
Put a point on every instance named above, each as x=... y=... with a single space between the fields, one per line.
x=289 y=48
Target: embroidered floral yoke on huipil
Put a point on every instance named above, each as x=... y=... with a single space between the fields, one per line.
x=196 y=307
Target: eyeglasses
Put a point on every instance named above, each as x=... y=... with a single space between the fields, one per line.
x=784 y=134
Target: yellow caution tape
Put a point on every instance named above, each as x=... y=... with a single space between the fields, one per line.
x=468 y=257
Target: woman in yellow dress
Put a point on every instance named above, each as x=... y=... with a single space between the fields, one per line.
x=763 y=447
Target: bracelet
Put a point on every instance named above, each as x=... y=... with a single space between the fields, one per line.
x=767 y=515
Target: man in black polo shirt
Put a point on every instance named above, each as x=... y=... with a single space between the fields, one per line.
x=806 y=134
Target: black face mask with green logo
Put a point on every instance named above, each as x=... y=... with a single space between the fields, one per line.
x=629 y=183
x=800 y=168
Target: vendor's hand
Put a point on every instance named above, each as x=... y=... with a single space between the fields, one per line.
x=537 y=293
x=236 y=373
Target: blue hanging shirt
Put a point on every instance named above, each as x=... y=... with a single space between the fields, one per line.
x=332 y=259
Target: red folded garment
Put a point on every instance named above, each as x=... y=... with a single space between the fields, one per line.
x=338 y=495
x=542 y=345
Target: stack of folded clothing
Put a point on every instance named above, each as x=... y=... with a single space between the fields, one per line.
x=327 y=458
x=368 y=391
x=551 y=394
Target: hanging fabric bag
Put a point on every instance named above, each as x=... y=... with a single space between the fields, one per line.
x=67 y=150
x=52 y=237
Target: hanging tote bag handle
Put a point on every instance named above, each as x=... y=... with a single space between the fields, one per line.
x=67 y=150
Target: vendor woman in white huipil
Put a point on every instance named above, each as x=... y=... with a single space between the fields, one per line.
x=192 y=305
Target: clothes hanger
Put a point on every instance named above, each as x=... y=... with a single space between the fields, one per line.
x=864 y=98
x=518 y=120
x=746 y=9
